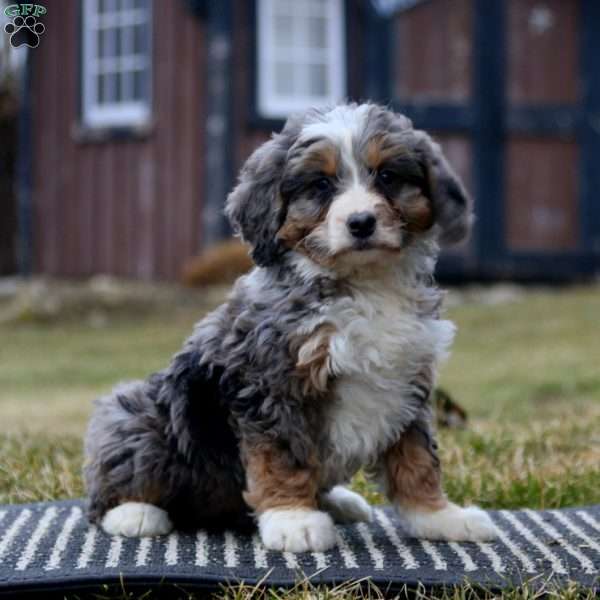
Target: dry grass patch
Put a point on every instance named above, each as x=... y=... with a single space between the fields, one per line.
x=35 y=468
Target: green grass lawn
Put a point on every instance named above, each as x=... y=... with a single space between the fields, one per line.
x=528 y=371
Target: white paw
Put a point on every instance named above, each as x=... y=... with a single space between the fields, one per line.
x=137 y=519
x=346 y=506
x=297 y=530
x=453 y=524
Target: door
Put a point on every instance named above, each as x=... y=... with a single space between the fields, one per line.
x=511 y=91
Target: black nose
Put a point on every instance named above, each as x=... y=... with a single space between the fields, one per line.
x=361 y=225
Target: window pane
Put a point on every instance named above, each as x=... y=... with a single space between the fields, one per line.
x=106 y=6
x=117 y=75
x=116 y=82
x=101 y=82
x=316 y=7
x=118 y=41
x=317 y=32
x=140 y=39
x=107 y=43
x=140 y=85
x=127 y=85
x=284 y=31
x=317 y=80
x=109 y=87
x=284 y=78
x=127 y=37
x=100 y=50
x=284 y=7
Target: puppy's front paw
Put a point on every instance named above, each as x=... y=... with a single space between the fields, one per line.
x=346 y=506
x=137 y=519
x=297 y=530
x=452 y=523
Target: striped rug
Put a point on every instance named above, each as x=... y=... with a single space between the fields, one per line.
x=49 y=546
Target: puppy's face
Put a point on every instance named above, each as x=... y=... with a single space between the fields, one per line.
x=346 y=187
x=353 y=192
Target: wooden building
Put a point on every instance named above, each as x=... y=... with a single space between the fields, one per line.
x=141 y=113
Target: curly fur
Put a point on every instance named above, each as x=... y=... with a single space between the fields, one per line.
x=315 y=365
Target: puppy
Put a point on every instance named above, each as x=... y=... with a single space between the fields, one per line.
x=321 y=362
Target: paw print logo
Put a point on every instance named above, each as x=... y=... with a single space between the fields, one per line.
x=25 y=31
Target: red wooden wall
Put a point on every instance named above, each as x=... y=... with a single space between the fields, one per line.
x=130 y=206
x=542 y=173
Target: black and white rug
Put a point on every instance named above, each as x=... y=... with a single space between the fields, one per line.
x=51 y=546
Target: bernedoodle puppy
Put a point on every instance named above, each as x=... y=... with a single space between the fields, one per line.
x=321 y=362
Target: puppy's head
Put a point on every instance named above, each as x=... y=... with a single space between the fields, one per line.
x=347 y=186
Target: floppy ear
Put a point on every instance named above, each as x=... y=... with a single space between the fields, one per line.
x=255 y=208
x=452 y=206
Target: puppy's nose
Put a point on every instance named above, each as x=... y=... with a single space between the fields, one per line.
x=361 y=224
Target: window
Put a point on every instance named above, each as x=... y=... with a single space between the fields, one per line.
x=116 y=64
x=300 y=55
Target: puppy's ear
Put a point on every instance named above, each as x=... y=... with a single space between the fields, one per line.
x=452 y=206
x=254 y=207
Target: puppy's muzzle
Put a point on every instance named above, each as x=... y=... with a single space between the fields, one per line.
x=361 y=225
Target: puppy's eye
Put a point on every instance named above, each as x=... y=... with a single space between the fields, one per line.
x=323 y=185
x=387 y=177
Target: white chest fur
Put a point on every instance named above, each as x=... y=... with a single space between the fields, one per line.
x=381 y=344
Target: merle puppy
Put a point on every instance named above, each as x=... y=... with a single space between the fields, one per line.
x=321 y=362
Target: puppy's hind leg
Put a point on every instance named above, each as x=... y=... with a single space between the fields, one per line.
x=128 y=463
x=345 y=506
x=137 y=519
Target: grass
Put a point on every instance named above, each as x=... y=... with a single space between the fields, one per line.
x=360 y=590
x=525 y=359
x=526 y=370
x=50 y=373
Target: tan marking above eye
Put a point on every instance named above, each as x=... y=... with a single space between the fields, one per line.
x=380 y=149
x=373 y=152
x=322 y=157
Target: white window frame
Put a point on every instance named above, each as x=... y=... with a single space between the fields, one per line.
x=130 y=113
x=273 y=105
